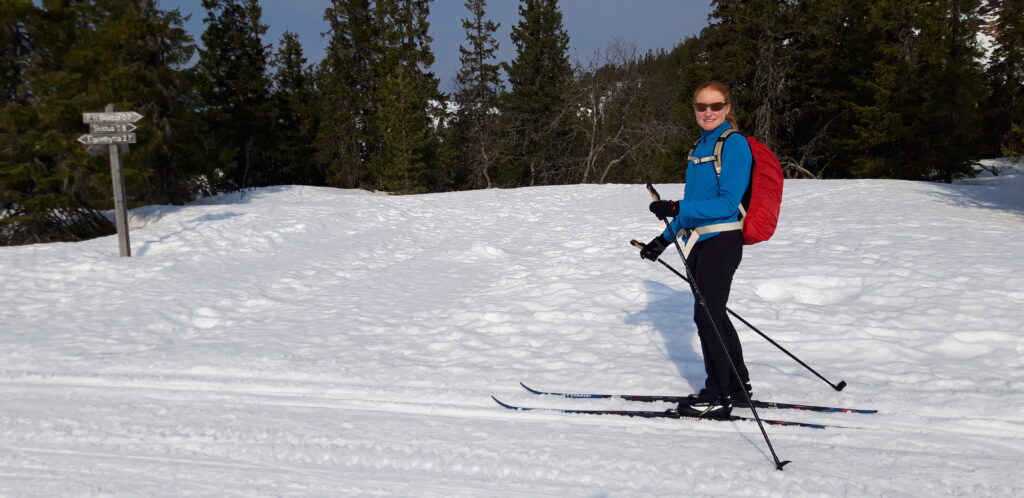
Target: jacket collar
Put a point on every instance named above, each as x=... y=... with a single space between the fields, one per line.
x=711 y=136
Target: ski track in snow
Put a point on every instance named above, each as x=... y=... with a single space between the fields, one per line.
x=296 y=341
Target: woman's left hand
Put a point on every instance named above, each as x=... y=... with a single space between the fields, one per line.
x=665 y=209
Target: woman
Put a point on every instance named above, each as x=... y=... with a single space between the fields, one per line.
x=710 y=198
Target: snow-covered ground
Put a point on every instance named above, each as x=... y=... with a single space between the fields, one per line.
x=300 y=341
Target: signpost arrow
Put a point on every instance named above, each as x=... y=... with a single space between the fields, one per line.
x=120 y=138
x=112 y=127
x=110 y=117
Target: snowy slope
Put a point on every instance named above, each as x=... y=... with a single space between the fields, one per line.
x=301 y=341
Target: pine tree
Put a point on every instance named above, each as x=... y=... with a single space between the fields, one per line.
x=15 y=48
x=479 y=90
x=405 y=94
x=234 y=92
x=536 y=108
x=884 y=123
x=1006 y=77
x=291 y=156
x=924 y=119
x=400 y=164
x=830 y=50
x=82 y=56
x=957 y=91
x=151 y=50
x=347 y=87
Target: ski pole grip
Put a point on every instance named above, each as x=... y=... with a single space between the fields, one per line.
x=654 y=193
x=636 y=244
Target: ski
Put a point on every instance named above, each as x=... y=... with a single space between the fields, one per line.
x=655 y=414
x=676 y=399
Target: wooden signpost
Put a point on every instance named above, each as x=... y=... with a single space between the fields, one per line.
x=112 y=128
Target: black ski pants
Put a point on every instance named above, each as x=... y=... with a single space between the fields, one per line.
x=713 y=263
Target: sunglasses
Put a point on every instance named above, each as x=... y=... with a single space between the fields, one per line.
x=701 y=107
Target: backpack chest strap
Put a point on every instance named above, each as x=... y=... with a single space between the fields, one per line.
x=708 y=159
x=717 y=154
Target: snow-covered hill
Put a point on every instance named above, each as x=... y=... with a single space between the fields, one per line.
x=300 y=341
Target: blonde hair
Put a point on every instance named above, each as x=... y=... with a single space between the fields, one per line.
x=723 y=89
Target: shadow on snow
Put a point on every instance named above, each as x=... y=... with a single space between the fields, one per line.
x=670 y=312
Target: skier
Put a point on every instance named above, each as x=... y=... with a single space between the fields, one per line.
x=710 y=198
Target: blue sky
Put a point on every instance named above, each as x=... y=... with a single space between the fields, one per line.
x=592 y=25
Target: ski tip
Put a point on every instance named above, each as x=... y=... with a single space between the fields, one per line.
x=528 y=388
x=841 y=385
x=506 y=405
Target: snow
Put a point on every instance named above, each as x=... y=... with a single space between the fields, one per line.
x=300 y=341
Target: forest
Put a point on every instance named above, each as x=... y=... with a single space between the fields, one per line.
x=837 y=88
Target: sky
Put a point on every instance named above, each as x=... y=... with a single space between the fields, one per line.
x=592 y=25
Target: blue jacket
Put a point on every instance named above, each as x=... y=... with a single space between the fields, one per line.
x=708 y=199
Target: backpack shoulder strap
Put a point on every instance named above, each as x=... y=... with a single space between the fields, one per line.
x=716 y=155
x=719 y=145
x=690 y=156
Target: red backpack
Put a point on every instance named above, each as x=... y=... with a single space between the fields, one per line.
x=759 y=210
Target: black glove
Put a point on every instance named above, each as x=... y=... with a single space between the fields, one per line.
x=654 y=248
x=664 y=209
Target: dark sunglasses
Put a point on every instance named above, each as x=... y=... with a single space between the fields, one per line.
x=717 y=106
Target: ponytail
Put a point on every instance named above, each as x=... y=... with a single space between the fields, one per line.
x=732 y=121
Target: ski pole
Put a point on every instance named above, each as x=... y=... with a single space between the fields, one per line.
x=839 y=387
x=700 y=298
